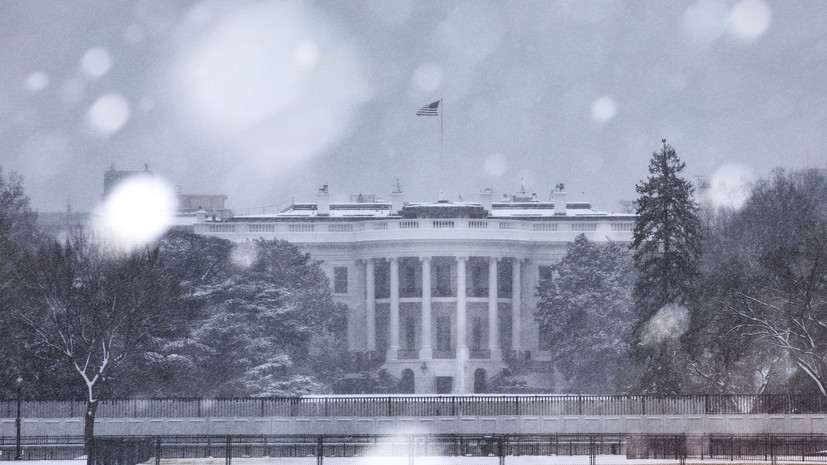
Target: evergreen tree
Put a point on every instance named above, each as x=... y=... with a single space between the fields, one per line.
x=667 y=246
x=586 y=311
x=265 y=322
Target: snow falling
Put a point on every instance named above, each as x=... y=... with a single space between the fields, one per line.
x=108 y=114
x=729 y=186
x=272 y=81
x=137 y=211
x=668 y=324
x=263 y=101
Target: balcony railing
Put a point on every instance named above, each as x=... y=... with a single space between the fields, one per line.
x=416 y=293
x=407 y=354
x=599 y=227
x=445 y=353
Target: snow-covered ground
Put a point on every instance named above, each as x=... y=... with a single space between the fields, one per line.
x=443 y=460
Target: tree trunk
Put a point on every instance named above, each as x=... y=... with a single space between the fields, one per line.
x=89 y=430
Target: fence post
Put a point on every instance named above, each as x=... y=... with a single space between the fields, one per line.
x=592 y=451
x=228 y=452
x=320 y=450
x=773 y=460
x=158 y=450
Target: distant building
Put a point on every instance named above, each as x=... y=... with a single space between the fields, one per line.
x=441 y=292
x=55 y=223
x=112 y=177
x=213 y=204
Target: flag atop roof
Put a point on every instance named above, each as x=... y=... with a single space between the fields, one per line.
x=429 y=110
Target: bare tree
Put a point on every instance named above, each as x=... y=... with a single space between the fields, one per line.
x=97 y=308
x=18 y=237
x=772 y=272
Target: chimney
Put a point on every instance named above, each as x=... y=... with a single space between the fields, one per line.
x=486 y=199
x=397 y=198
x=559 y=201
x=323 y=203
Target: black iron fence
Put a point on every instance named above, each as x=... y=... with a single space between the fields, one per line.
x=106 y=450
x=418 y=406
x=602 y=448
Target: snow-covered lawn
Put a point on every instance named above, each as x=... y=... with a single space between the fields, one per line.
x=444 y=460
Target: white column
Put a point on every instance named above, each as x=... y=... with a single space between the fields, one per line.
x=426 y=352
x=462 y=344
x=370 y=304
x=493 y=321
x=516 y=305
x=393 y=347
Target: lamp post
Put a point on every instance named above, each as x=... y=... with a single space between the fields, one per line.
x=18 y=452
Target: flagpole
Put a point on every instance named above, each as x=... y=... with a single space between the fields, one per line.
x=441 y=143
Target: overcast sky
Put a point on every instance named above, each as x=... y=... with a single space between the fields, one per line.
x=268 y=100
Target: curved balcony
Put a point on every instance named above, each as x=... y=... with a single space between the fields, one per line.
x=300 y=231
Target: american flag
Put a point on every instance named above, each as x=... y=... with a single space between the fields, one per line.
x=429 y=110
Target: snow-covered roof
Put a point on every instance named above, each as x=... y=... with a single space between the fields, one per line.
x=337 y=210
x=543 y=209
x=514 y=210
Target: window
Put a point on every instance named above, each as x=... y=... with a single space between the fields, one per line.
x=476 y=333
x=410 y=334
x=382 y=281
x=340 y=280
x=505 y=331
x=504 y=280
x=444 y=385
x=443 y=281
x=479 y=278
x=409 y=280
x=544 y=273
x=443 y=333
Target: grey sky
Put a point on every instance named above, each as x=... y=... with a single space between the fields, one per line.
x=267 y=100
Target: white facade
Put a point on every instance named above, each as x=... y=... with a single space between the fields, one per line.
x=396 y=266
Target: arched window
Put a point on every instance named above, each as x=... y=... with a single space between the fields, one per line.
x=406 y=384
x=479 y=381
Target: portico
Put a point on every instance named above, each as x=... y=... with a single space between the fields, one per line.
x=463 y=331
x=441 y=294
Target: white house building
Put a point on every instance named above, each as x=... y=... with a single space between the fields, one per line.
x=444 y=292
